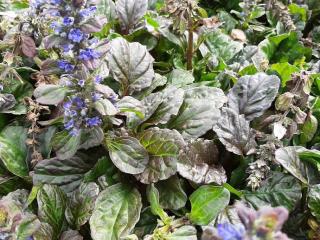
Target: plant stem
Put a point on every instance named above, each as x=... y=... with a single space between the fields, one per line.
x=190 y=43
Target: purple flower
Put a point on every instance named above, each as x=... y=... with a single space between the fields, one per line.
x=67 y=47
x=68 y=21
x=53 y=13
x=69 y=125
x=67 y=105
x=88 y=54
x=65 y=65
x=87 y=11
x=98 y=79
x=79 y=102
x=74 y=132
x=75 y=35
x=81 y=83
x=55 y=2
x=92 y=122
x=96 y=96
x=227 y=231
x=56 y=27
x=29 y=238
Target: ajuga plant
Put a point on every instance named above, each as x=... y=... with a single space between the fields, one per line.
x=159 y=120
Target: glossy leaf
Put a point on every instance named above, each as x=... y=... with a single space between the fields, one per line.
x=314 y=201
x=114 y=215
x=50 y=94
x=252 y=95
x=207 y=202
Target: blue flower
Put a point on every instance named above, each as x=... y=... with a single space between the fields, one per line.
x=81 y=83
x=67 y=105
x=74 y=132
x=92 y=122
x=68 y=21
x=88 y=54
x=67 y=47
x=69 y=125
x=65 y=65
x=79 y=102
x=96 y=96
x=75 y=35
x=56 y=2
x=87 y=11
x=29 y=238
x=227 y=231
x=98 y=79
x=56 y=27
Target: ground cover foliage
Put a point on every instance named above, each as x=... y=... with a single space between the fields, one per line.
x=159 y=119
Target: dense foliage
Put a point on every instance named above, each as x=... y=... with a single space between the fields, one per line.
x=160 y=119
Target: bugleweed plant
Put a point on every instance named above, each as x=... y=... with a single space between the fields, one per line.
x=159 y=120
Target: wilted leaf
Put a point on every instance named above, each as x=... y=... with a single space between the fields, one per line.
x=199 y=111
x=207 y=202
x=49 y=94
x=277 y=190
x=81 y=204
x=163 y=147
x=198 y=162
x=289 y=159
x=252 y=95
x=52 y=204
x=234 y=132
x=131 y=65
x=67 y=173
x=28 y=46
x=116 y=212
x=130 y=12
x=128 y=154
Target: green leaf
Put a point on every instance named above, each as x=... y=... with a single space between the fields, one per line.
x=163 y=147
x=13 y=151
x=52 y=205
x=105 y=107
x=49 y=94
x=252 y=95
x=222 y=46
x=131 y=65
x=277 y=190
x=289 y=159
x=117 y=210
x=309 y=129
x=171 y=194
x=27 y=227
x=207 y=202
x=154 y=200
x=199 y=111
x=285 y=71
x=235 y=133
x=67 y=173
x=179 y=77
x=314 y=201
x=81 y=204
x=182 y=233
x=65 y=145
x=128 y=154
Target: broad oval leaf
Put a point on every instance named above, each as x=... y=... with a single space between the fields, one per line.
x=117 y=210
x=65 y=145
x=128 y=154
x=171 y=194
x=288 y=157
x=198 y=162
x=277 y=190
x=163 y=147
x=131 y=65
x=49 y=94
x=105 y=107
x=13 y=151
x=207 y=202
x=252 y=95
x=52 y=204
x=81 y=204
x=314 y=201
x=199 y=111
x=67 y=173
x=235 y=133
x=130 y=12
